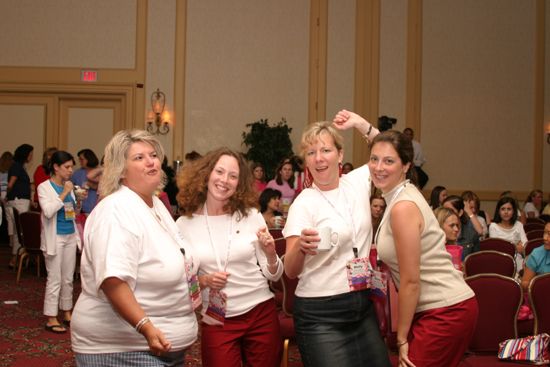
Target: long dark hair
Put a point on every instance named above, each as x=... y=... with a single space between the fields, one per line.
x=404 y=148
x=278 y=177
x=434 y=196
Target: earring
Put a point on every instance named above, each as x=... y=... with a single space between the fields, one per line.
x=340 y=169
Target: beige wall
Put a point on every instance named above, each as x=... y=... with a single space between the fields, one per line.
x=66 y=33
x=26 y=126
x=341 y=63
x=478 y=93
x=245 y=60
x=393 y=60
x=161 y=43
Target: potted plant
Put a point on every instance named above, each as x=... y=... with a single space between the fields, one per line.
x=268 y=144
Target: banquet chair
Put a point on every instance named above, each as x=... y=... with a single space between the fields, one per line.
x=277 y=287
x=489 y=261
x=19 y=233
x=498 y=244
x=280 y=246
x=30 y=229
x=527 y=227
x=539 y=295
x=531 y=245
x=286 y=322
x=536 y=233
x=499 y=299
x=534 y=220
x=276 y=232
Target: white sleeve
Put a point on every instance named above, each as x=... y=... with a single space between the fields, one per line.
x=259 y=222
x=50 y=203
x=113 y=252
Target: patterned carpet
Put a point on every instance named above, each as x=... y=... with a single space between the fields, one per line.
x=23 y=340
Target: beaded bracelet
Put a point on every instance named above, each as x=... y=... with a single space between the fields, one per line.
x=140 y=323
x=366 y=135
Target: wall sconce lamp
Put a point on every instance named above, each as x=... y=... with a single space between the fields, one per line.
x=158 y=101
x=547 y=131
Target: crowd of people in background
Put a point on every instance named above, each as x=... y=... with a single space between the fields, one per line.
x=119 y=213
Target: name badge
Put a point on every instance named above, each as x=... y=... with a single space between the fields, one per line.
x=358 y=274
x=69 y=211
x=217 y=304
x=378 y=283
x=193 y=284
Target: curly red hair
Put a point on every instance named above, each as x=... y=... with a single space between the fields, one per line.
x=193 y=184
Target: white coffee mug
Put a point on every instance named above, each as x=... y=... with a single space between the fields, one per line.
x=278 y=221
x=328 y=240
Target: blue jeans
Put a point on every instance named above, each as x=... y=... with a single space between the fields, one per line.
x=340 y=330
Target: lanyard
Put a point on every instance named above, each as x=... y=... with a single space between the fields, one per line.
x=218 y=261
x=346 y=220
x=166 y=229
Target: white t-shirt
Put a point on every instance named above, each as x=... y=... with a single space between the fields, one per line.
x=345 y=210
x=123 y=239
x=514 y=234
x=530 y=207
x=246 y=285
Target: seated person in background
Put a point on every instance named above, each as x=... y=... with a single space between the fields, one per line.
x=377 y=208
x=284 y=182
x=450 y=224
x=506 y=224
x=270 y=199
x=521 y=214
x=472 y=200
x=471 y=228
x=347 y=168
x=538 y=261
x=259 y=177
x=438 y=195
x=533 y=204
x=299 y=175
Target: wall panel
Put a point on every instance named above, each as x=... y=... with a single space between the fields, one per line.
x=245 y=60
x=477 y=93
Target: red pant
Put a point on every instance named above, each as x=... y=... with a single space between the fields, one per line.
x=439 y=337
x=251 y=339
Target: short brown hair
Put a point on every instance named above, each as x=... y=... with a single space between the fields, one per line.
x=193 y=184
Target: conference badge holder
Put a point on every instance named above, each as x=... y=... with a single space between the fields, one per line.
x=217 y=305
x=194 y=287
x=378 y=283
x=69 y=211
x=358 y=274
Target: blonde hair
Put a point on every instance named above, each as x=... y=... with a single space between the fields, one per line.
x=314 y=130
x=441 y=214
x=116 y=153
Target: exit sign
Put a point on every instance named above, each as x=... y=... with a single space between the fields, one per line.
x=88 y=75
